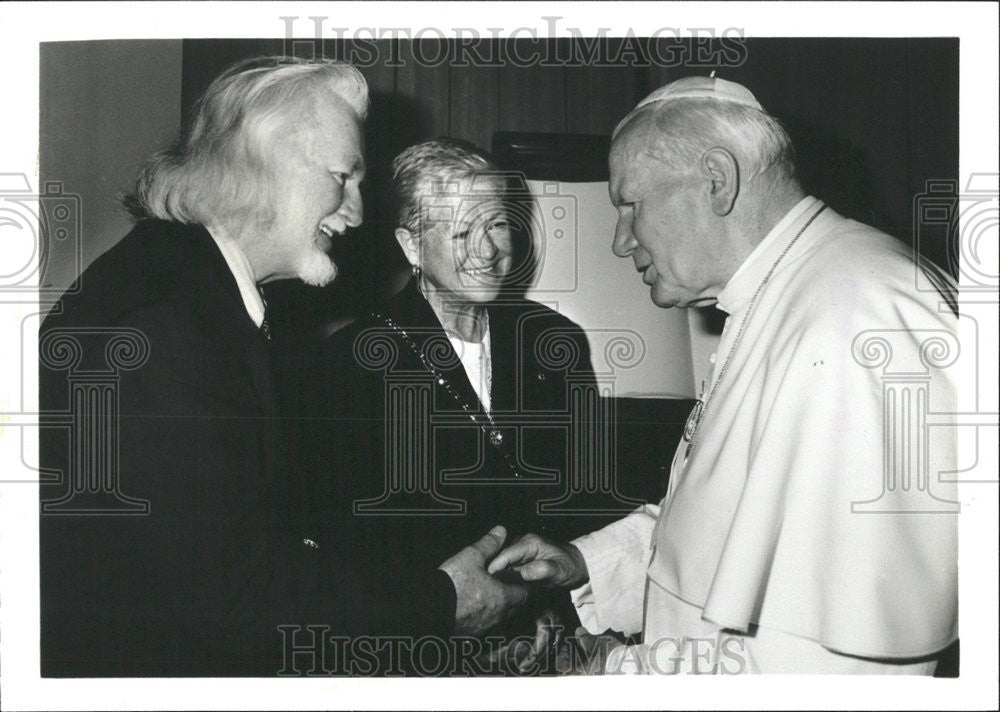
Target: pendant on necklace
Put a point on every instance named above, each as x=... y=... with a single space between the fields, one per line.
x=496 y=437
x=693 y=421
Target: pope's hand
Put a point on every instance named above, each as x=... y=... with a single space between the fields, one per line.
x=543 y=561
x=483 y=601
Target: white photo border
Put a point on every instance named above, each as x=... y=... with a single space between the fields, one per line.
x=25 y=25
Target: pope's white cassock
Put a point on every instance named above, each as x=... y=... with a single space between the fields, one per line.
x=809 y=528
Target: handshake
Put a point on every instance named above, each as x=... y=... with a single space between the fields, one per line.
x=491 y=584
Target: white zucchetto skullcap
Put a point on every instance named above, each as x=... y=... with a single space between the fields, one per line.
x=696 y=88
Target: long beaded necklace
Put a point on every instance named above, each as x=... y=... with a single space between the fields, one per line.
x=487 y=426
x=700 y=406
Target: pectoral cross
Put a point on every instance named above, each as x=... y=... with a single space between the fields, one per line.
x=694 y=420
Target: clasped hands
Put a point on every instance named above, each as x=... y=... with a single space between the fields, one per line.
x=491 y=585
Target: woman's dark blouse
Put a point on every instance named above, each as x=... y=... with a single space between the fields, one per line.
x=340 y=443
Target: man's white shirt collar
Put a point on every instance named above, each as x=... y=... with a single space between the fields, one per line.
x=242 y=270
x=740 y=287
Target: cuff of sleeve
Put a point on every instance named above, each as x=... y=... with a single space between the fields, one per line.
x=583 y=597
x=615 y=592
x=586 y=611
x=441 y=600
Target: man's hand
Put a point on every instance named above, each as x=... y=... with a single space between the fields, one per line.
x=544 y=561
x=548 y=638
x=585 y=654
x=483 y=601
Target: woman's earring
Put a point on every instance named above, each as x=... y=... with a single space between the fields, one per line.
x=415 y=271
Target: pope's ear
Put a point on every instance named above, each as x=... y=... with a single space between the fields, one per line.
x=410 y=245
x=720 y=167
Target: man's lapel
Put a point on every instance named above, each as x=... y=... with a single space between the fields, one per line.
x=217 y=290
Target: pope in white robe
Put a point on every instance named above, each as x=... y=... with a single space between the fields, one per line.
x=764 y=544
x=809 y=525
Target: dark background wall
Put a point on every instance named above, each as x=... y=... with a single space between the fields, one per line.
x=872 y=119
x=103 y=107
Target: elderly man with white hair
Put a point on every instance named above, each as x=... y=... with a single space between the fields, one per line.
x=169 y=538
x=784 y=543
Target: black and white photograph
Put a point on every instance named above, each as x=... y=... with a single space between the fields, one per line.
x=549 y=345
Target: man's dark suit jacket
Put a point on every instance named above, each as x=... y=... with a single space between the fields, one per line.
x=199 y=584
x=347 y=451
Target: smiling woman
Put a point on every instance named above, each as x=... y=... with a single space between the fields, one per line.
x=455 y=232
x=462 y=426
